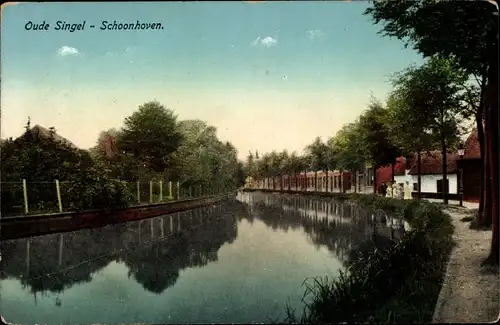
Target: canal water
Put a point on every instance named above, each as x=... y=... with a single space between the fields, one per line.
x=237 y=262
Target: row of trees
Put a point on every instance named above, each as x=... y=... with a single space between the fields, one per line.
x=424 y=112
x=430 y=107
x=152 y=146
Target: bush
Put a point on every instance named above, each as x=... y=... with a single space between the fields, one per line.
x=399 y=284
x=92 y=190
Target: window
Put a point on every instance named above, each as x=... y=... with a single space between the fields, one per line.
x=440 y=186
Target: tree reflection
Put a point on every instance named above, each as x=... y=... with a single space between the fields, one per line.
x=154 y=250
x=346 y=229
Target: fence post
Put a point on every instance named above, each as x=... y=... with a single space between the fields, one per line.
x=178 y=191
x=161 y=191
x=25 y=194
x=138 y=192
x=150 y=192
x=58 y=190
x=170 y=190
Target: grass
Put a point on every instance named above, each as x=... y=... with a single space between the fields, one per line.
x=399 y=284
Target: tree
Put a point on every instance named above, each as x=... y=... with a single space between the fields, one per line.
x=375 y=134
x=348 y=149
x=467 y=31
x=40 y=161
x=151 y=135
x=430 y=97
x=296 y=166
x=317 y=156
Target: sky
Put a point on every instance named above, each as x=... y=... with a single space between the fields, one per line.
x=269 y=76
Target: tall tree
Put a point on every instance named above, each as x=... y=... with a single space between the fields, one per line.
x=433 y=96
x=317 y=153
x=376 y=136
x=468 y=31
x=348 y=149
x=151 y=135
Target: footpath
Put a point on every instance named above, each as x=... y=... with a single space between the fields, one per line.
x=470 y=292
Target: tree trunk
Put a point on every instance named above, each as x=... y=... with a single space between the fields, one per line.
x=444 y=188
x=492 y=146
x=480 y=136
x=419 y=175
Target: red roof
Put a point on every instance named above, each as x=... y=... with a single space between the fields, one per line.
x=472 y=149
x=384 y=173
x=432 y=163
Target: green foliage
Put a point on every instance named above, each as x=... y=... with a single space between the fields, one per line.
x=317 y=155
x=41 y=161
x=445 y=28
x=428 y=104
x=152 y=146
x=376 y=135
x=399 y=284
x=151 y=136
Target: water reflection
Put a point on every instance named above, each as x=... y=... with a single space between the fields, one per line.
x=154 y=250
x=346 y=229
x=235 y=262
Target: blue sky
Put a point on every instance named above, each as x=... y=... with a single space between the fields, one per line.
x=267 y=75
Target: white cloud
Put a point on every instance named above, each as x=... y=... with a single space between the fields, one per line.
x=315 y=34
x=267 y=41
x=67 y=50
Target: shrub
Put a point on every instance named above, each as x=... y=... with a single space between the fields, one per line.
x=399 y=284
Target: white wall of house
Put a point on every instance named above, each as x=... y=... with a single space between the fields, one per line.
x=403 y=178
x=429 y=182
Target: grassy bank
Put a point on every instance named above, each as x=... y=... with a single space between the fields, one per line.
x=400 y=284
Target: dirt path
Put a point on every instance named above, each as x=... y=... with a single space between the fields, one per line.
x=470 y=293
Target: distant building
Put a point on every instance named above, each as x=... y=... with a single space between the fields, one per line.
x=431 y=173
x=405 y=170
x=41 y=132
x=471 y=164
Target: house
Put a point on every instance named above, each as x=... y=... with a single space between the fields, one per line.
x=431 y=174
x=470 y=164
x=401 y=172
x=405 y=170
x=305 y=181
x=41 y=132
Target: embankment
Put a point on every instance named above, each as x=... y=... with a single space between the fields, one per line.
x=35 y=225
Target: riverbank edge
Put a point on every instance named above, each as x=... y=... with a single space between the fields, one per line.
x=337 y=195
x=413 y=268
x=43 y=224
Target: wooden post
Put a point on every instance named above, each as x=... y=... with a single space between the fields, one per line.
x=138 y=192
x=25 y=194
x=170 y=190
x=150 y=192
x=161 y=191
x=58 y=190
